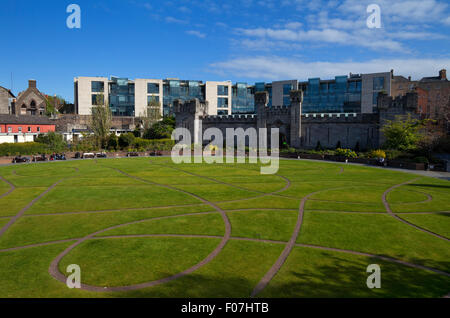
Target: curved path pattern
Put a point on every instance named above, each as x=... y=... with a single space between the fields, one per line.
x=54 y=271
x=11 y=186
x=29 y=205
x=389 y=210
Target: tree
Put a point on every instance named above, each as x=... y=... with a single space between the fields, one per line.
x=403 y=134
x=126 y=140
x=113 y=142
x=151 y=115
x=161 y=130
x=54 y=141
x=100 y=123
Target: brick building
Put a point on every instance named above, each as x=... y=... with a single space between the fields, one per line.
x=31 y=101
x=15 y=129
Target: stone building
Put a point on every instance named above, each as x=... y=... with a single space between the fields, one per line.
x=437 y=90
x=350 y=130
x=31 y=101
x=6 y=101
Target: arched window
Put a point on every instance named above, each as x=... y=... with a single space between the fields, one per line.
x=23 y=109
x=33 y=104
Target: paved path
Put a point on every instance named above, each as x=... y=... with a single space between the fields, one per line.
x=29 y=205
x=11 y=186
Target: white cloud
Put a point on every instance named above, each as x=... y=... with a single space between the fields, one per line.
x=175 y=20
x=196 y=33
x=293 y=25
x=278 y=68
x=447 y=21
x=365 y=38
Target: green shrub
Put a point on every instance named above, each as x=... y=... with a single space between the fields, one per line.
x=126 y=140
x=26 y=148
x=347 y=153
x=377 y=154
x=421 y=160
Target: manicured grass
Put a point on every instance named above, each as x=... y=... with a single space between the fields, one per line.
x=437 y=223
x=94 y=195
x=254 y=224
x=202 y=224
x=375 y=234
x=47 y=228
x=121 y=262
x=335 y=274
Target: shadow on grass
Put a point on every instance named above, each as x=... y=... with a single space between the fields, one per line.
x=347 y=279
x=430 y=185
x=342 y=278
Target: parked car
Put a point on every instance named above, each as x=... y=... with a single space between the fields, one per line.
x=101 y=155
x=77 y=155
x=57 y=156
x=39 y=158
x=155 y=153
x=20 y=159
x=88 y=155
x=133 y=154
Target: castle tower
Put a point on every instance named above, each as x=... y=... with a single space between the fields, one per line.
x=296 y=118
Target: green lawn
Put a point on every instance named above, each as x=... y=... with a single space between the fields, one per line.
x=144 y=219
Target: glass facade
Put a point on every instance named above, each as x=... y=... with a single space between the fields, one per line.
x=222 y=102
x=121 y=97
x=183 y=90
x=98 y=87
x=151 y=99
x=98 y=99
x=243 y=99
x=152 y=88
x=339 y=96
x=261 y=87
x=222 y=90
x=378 y=83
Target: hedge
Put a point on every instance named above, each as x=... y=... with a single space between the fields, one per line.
x=26 y=148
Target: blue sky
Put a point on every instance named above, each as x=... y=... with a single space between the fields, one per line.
x=238 y=40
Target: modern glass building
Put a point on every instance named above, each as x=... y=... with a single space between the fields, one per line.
x=181 y=89
x=121 y=97
x=243 y=101
x=341 y=95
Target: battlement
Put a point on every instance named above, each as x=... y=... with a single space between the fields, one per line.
x=231 y=119
x=339 y=118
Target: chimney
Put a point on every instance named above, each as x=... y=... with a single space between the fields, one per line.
x=32 y=84
x=392 y=73
x=409 y=78
x=443 y=74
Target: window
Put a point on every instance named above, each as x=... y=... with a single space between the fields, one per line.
x=222 y=90
x=0 y=129
x=378 y=83
x=153 y=88
x=9 y=129
x=375 y=98
x=39 y=129
x=222 y=102
x=222 y=112
x=20 y=129
x=98 y=87
x=287 y=88
x=152 y=100
x=286 y=101
x=29 y=129
x=97 y=99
